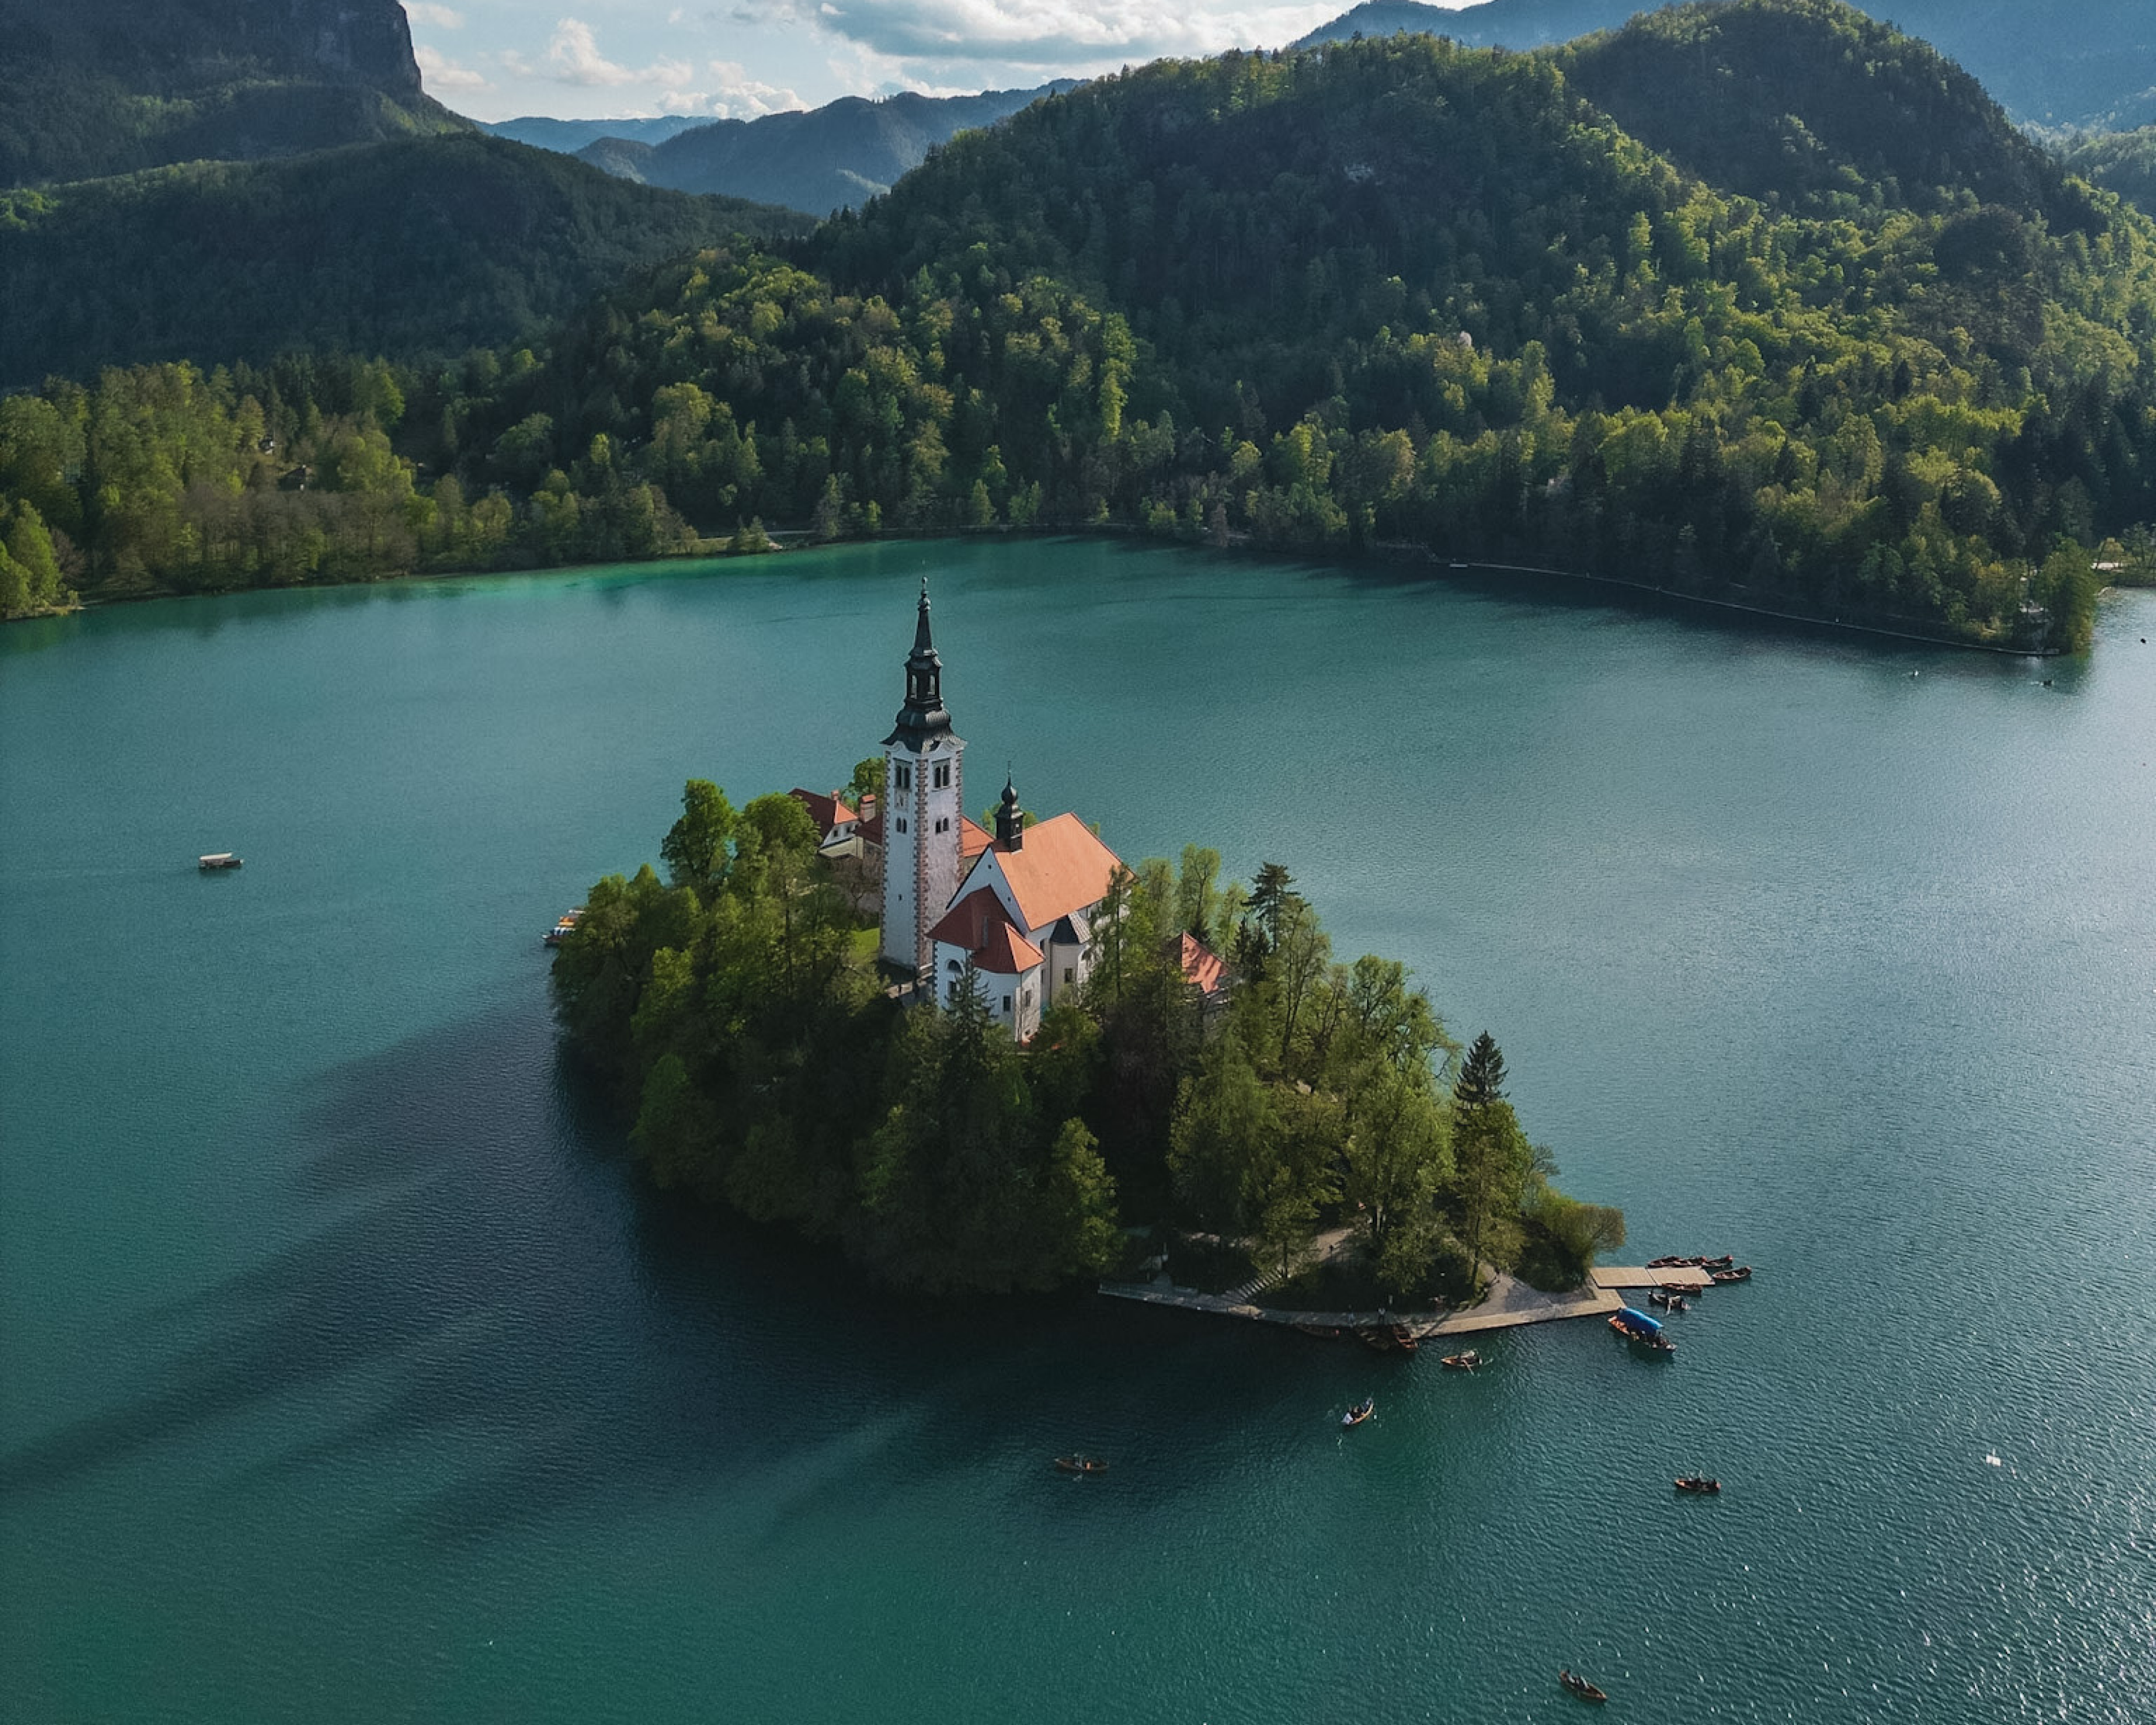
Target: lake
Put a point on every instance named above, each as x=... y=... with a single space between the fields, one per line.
x=347 y=1371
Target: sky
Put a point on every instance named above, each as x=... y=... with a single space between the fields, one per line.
x=495 y=59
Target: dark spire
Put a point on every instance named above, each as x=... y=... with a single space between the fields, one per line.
x=1010 y=824
x=921 y=643
x=923 y=715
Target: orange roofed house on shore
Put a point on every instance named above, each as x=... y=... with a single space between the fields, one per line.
x=1013 y=912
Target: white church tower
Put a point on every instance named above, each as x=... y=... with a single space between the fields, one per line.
x=924 y=793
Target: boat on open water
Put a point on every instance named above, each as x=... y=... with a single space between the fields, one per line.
x=1080 y=1464
x=1361 y=1411
x=217 y=860
x=1581 y=1687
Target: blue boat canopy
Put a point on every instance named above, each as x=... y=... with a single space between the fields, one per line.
x=1639 y=1322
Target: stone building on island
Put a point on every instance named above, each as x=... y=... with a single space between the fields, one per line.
x=1013 y=912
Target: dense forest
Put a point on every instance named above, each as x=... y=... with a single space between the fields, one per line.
x=2120 y=162
x=426 y=247
x=2060 y=64
x=1765 y=340
x=730 y=1004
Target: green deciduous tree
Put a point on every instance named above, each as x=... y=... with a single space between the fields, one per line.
x=697 y=849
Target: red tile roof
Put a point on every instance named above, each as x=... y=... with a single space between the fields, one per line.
x=1006 y=952
x=1058 y=867
x=871 y=830
x=827 y=812
x=972 y=838
x=979 y=923
x=1201 y=965
x=966 y=923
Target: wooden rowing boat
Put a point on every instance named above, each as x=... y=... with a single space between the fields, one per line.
x=1581 y=1687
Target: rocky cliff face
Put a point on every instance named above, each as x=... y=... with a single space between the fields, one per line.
x=173 y=48
x=96 y=87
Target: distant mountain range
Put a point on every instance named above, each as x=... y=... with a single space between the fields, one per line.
x=833 y=157
x=567 y=137
x=2056 y=63
x=94 y=87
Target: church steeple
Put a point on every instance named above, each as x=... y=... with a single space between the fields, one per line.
x=924 y=801
x=1010 y=823
x=923 y=717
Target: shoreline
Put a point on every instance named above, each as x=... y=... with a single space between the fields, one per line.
x=1510 y=1305
x=1394 y=555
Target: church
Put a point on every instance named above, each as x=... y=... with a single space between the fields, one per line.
x=1013 y=912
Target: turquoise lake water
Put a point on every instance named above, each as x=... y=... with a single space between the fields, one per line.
x=348 y=1373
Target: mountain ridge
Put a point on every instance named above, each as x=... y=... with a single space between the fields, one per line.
x=2088 y=63
x=813 y=160
x=566 y=138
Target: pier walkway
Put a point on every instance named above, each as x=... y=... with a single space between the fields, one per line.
x=1511 y=1304
x=1617 y=1280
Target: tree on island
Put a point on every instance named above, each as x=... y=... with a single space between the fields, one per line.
x=867 y=781
x=1481 y=1079
x=1492 y=1158
x=694 y=849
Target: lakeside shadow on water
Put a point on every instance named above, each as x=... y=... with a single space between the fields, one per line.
x=492 y=1318
x=1610 y=600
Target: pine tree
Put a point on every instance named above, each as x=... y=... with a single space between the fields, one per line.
x=1481 y=1075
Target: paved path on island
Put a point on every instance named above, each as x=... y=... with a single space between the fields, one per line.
x=1512 y=1303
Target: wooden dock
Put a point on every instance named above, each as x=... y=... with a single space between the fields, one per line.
x=1617 y=1280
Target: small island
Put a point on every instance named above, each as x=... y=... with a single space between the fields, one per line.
x=996 y=1061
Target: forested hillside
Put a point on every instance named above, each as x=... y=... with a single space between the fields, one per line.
x=428 y=247
x=1392 y=293
x=1818 y=106
x=2124 y=162
x=2086 y=63
x=91 y=87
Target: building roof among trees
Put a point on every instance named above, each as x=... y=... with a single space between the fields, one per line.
x=828 y=812
x=1057 y=867
x=979 y=923
x=1201 y=964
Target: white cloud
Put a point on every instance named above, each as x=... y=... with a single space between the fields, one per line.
x=439 y=72
x=442 y=18
x=573 y=53
x=1045 y=34
x=741 y=97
